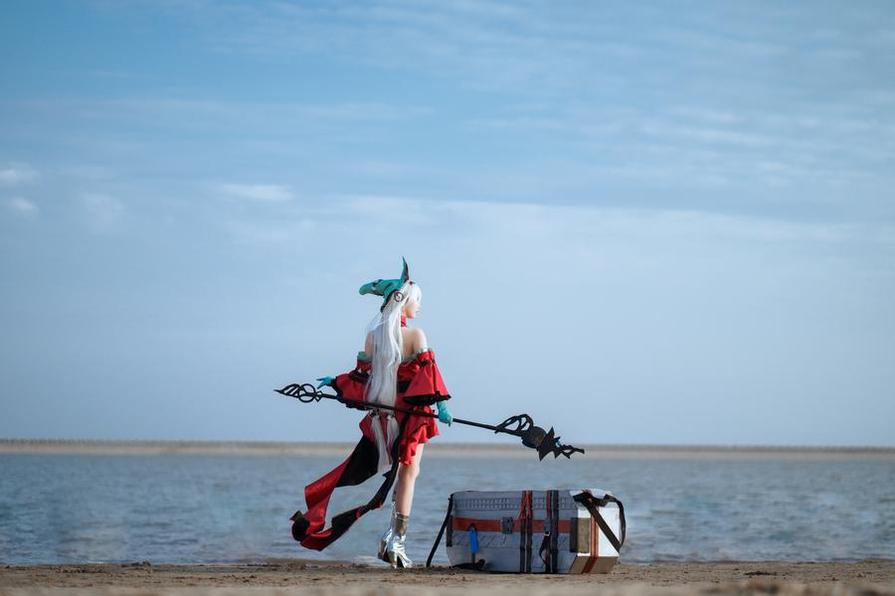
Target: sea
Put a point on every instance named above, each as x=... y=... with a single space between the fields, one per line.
x=184 y=508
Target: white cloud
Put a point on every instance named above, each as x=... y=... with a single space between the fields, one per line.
x=271 y=193
x=14 y=174
x=22 y=206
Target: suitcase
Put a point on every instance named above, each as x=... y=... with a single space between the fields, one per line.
x=534 y=531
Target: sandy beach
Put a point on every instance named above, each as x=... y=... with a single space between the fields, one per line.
x=306 y=577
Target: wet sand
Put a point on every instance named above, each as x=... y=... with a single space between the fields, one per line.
x=305 y=577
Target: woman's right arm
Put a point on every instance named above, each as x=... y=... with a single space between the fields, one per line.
x=352 y=384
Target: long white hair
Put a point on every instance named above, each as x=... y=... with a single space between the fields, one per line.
x=388 y=345
x=388 y=349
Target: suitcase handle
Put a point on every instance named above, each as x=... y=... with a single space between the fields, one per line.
x=592 y=504
x=477 y=565
x=447 y=517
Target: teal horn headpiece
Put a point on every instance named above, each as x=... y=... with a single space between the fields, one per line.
x=386 y=287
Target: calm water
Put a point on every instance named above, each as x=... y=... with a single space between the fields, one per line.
x=56 y=509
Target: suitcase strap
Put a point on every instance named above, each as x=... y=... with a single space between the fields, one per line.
x=525 y=532
x=549 y=549
x=447 y=517
x=478 y=565
x=592 y=504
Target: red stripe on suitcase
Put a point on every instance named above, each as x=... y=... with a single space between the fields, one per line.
x=493 y=525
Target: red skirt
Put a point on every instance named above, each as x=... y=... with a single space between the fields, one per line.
x=418 y=431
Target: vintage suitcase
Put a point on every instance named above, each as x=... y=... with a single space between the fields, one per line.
x=534 y=531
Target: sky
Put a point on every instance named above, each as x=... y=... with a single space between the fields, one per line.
x=640 y=222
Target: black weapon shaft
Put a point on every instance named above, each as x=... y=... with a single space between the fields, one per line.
x=521 y=425
x=367 y=406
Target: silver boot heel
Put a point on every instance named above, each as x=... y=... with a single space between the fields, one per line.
x=386 y=537
x=394 y=548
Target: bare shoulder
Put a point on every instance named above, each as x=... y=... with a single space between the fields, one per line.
x=417 y=338
x=368 y=343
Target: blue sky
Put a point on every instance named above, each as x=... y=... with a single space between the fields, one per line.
x=665 y=222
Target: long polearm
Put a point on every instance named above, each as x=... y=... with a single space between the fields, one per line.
x=521 y=425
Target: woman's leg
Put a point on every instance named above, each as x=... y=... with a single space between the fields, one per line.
x=406 y=481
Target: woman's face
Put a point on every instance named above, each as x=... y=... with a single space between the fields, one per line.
x=411 y=309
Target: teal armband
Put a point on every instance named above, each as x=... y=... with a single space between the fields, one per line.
x=444 y=415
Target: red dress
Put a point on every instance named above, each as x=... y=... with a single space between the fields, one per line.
x=419 y=385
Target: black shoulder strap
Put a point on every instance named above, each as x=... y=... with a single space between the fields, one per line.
x=593 y=504
x=447 y=517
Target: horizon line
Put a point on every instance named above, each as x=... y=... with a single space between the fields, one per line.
x=443 y=448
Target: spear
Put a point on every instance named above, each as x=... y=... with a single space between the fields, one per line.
x=521 y=425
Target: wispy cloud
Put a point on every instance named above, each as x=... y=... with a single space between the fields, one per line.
x=548 y=49
x=110 y=74
x=520 y=101
x=22 y=206
x=89 y=172
x=691 y=144
x=260 y=233
x=384 y=169
x=269 y=193
x=559 y=225
x=394 y=210
x=247 y=113
x=14 y=174
x=493 y=44
x=104 y=212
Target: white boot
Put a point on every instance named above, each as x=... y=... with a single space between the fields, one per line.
x=394 y=547
x=386 y=537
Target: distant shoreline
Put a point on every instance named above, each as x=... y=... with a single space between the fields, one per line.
x=435 y=449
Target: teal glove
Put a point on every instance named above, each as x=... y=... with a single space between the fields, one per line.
x=325 y=381
x=444 y=415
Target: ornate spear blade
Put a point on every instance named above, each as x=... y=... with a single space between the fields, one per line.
x=520 y=425
x=537 y=438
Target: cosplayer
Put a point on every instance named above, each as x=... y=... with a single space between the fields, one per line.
x=396 y=368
